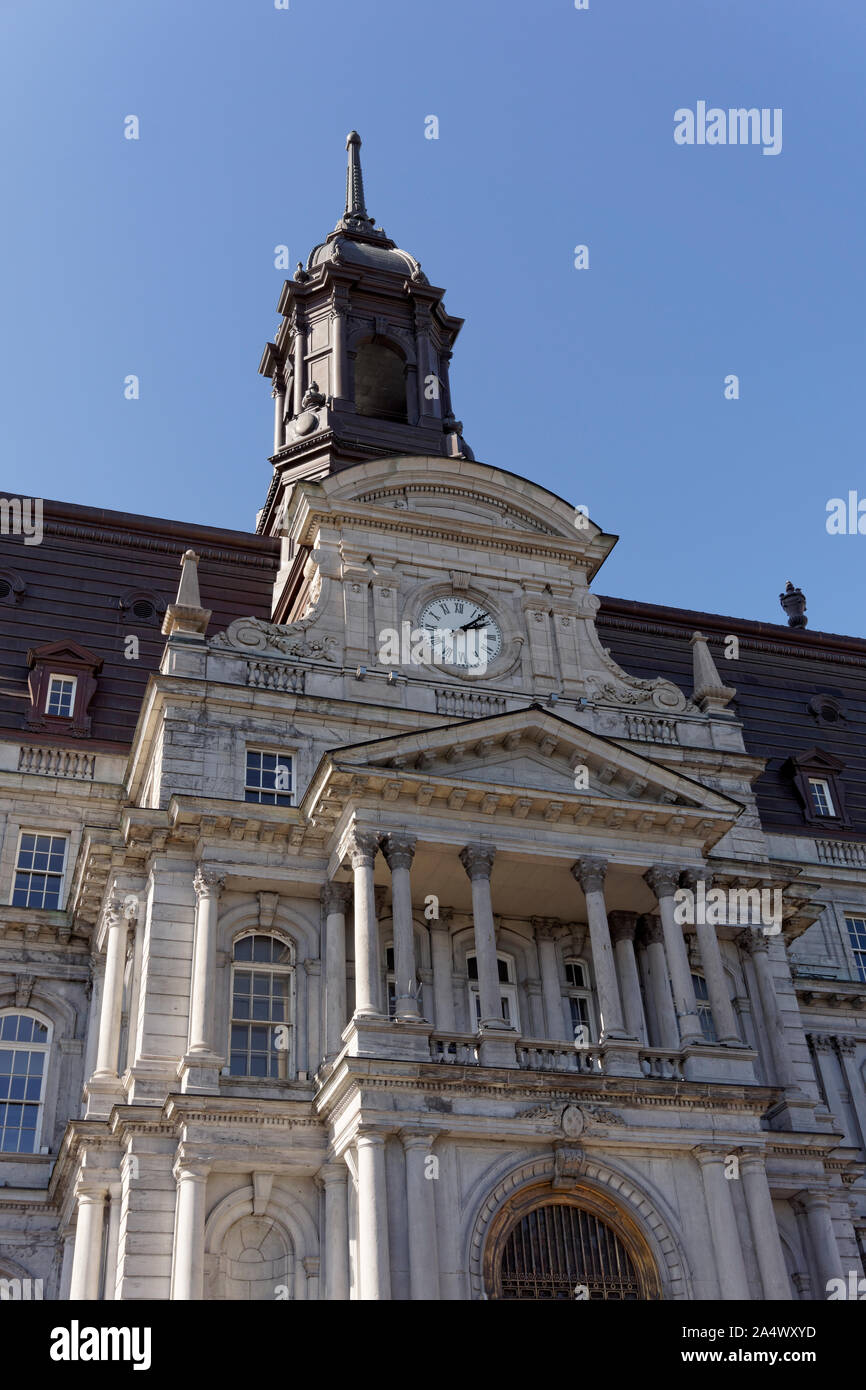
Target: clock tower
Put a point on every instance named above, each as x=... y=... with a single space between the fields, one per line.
x=359 y=363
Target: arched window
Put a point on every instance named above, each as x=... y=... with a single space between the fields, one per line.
x=262 y=1033
x=24 y=1042
x=507 y=991
x=580 y=1003
x=380 y=382
x=705 y=1013
x=560 y=1250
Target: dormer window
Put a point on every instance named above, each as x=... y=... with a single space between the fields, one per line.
x=822 y=799
x=61 y=696
x=62 y=683
x=818 y=782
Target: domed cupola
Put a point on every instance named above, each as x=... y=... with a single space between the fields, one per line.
x=360 y=361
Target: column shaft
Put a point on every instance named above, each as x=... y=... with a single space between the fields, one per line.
x=477 y=860
x=112 y=994
x=87 y=1256
x=374 y=1260
x=663 y=880
x=758 y=947
x=663 y=1000
x=728 y=1251
x=443 y=984
x=421 y=1209
x=823 y=1239
x=551 y=988
x=622 y=929
x=363 y=848
x=208 y=886
x=188 y=1280
x=765 y=1230
x=717 y=985
x=590 y=875
x=399 y=851
x=335 y=1177
x=335 y=897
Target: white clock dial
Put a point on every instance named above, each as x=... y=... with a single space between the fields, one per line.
x=463 y=632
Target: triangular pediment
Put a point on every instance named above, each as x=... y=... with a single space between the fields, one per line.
x=534 y=751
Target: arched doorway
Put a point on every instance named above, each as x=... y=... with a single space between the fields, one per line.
x=577 y=1245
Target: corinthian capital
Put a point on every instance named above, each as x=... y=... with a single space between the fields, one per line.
x=336 y=896
x=399 y=851
x=590 y=873
x=362 y=848
x=477 y=860
x=663 y=879
x=208 y=882
x=622 y=925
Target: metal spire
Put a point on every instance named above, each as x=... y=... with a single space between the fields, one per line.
x=356 y=208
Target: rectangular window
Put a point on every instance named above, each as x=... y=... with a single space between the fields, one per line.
x=270 y=778
x=61 y=696
x=822 y=801
x=39 y=870
x=23 y=1048
x=857 y=932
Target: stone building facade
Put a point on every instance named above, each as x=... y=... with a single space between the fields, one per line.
x=343 y=956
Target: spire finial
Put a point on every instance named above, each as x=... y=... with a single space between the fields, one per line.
x=356 y=208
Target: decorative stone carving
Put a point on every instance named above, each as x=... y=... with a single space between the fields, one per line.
x=255 y=635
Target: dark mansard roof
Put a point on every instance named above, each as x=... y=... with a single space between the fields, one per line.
x=93 y=567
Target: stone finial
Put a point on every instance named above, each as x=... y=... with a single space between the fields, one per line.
x=710 y=694
x=185 y=618
x=794 y=603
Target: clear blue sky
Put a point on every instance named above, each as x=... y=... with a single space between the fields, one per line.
x=156 y=258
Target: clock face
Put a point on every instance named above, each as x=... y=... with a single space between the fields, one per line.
x=462 y=632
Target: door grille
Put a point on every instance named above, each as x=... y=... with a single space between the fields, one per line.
x=563 y=1252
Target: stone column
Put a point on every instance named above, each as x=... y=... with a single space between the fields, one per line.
x=822 y=1238
x=188 y=1272
x=112 y=994
x=714 y=970
x=443 y=984
x=279 y=394
x=87 y=1257
x=663 y=881
x=399 y=851
x=757 y=945
x=335 y=899
x=551 y=987
x=374 y=1260
x=622 y=930
x=590 y=874
x=335 y=1179
x=824 y=1060
x=208 y=884
x=109 y=1291
x=300 y=350
x=663 y=1000
x=730 y=1266
x=477 y=860
x=363 y=848
x=421 y=1209
x=338 y=352
x=765 y=1230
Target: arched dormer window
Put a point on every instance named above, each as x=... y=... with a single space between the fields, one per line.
x=262 y=1014
x=24 y=1043
x=507 y=991
x=380 y=382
